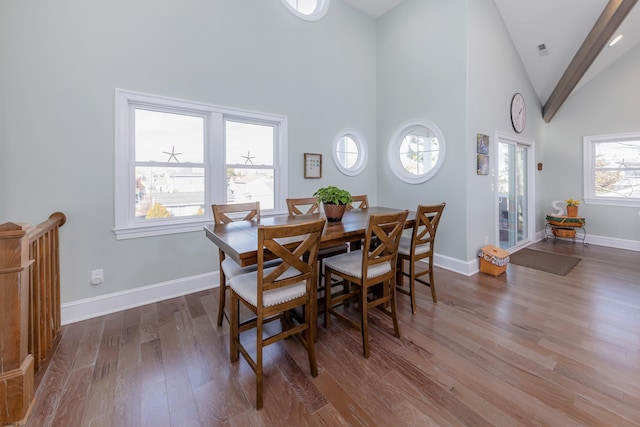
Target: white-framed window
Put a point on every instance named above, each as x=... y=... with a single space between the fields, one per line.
x=416 y=151
x=174 y=158
x=350 y=152
x=309 y=10
x=612 y=169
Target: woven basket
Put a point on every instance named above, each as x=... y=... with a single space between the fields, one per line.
x=492 y=269
x=493 y=260
x=568 y=233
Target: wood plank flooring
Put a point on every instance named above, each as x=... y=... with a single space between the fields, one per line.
x=526 y=348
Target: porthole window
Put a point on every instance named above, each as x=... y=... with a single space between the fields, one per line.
x=416 y=151
x=350 y=152
x=309 y=10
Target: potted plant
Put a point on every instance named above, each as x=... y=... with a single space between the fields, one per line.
x=334 y=200
x=572 y=207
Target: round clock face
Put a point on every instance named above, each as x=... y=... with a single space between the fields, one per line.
x=518 y=112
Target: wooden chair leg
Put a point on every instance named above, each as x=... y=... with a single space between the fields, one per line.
x=234 y=333
x=223 y=290
x=259 y=378
x=309 y=337
x=222 y=297
x=432 y=283
x=412 y=286
x=394 y=312
x=364 y=324
x=327 y=299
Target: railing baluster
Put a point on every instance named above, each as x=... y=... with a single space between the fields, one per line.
x=29 y=309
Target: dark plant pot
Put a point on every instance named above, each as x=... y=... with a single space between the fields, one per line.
x=333 y=212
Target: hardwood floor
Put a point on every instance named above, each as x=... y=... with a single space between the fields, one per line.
x=525 y=348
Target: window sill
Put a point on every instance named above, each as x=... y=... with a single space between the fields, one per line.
x=134 y=232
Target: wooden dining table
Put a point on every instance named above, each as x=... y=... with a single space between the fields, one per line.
x=239 y=239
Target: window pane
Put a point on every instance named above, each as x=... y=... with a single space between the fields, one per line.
x=419 y=151
x=168 y=137
x=249 y=144
x=347 y=151
x=306 y=7
x=617 y=167
x=250 y=185
x=163 y=192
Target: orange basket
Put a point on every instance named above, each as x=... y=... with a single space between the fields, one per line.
x=567 y=233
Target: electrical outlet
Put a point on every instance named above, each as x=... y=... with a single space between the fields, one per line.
x=97 y=277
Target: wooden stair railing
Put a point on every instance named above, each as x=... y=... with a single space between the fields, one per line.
x=44 y=287
x=29 y=309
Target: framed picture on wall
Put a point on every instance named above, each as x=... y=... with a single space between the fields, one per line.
x=483 y=144
x=483 y=164
x=312 y=165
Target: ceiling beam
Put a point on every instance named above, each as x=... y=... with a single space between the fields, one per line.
x=602 y=31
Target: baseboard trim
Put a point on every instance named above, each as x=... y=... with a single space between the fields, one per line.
x=467 y=268
x=88 y=308
x=611 y=242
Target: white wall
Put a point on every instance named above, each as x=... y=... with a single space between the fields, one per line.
x=422 y=75
x=62 y=60
x=607 y=104
x=495 y=73
x=454 y=64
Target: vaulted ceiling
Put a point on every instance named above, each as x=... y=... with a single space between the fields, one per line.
x=572 y=33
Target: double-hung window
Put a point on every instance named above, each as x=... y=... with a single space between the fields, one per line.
x=612 y=169
x=174 y=158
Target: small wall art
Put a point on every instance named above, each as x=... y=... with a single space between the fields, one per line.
x=312 y=165
x=483 y=164
x=483 y=144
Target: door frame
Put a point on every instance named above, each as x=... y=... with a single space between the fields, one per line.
x=531 y=190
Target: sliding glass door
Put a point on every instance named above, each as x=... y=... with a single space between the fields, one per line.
x=514 y=192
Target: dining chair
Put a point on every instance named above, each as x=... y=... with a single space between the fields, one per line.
x=365 y=269
x=224 y=214
x=309 y=205
x=271 y=292
x=419 y=246
x=359 y=202
x=302 y=205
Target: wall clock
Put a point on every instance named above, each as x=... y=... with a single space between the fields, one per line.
x=518 y=112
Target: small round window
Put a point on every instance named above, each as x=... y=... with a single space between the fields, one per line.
x=416 y=151
x=309 y=10
x=350 y=152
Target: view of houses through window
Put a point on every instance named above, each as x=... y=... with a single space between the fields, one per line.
x=170 y=174
x=169 y=164
x=249 y=159
x=612 y=169
x=174 y=158
x=617 y=169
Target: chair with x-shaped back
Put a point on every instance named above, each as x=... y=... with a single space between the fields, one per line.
x=359 y=202
x=419 y=247
x=365 y=269
x=224 y=214
x=272 y=292
x=302 y=205
x=306 y=206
